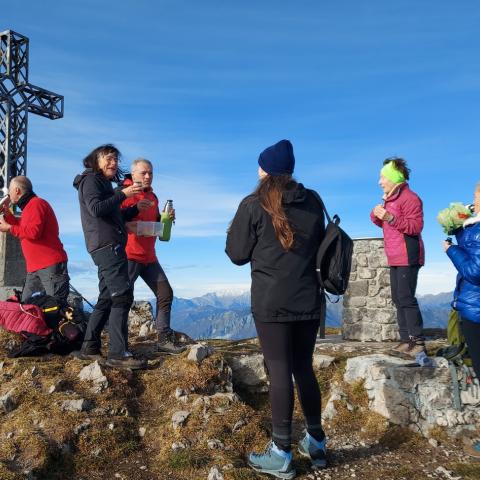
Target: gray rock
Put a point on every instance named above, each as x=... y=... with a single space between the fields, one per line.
x=179 y=418
x=8 y=402
x=249 y=370
x=215 y=444
x=420 y=398
x=94 y=373
x=322 y=361
x=79 y=405
x=198 y=352
x=176 y=446
x=215 y=474
x=142 y=431
x=144 y=331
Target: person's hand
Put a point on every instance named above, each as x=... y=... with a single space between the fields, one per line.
x=131 y=227
x=172 y=214
x=382 y=214
x=143 y=204
x=5 y=204
x=132 y=190
x=446 y=245
x=4 y=226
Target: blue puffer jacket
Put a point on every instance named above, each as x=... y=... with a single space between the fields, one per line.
x=466 y=258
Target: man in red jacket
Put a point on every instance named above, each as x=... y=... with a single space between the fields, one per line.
x=142 y=260
x=37 y=230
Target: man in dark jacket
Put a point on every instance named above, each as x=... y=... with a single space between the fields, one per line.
x=37 y=230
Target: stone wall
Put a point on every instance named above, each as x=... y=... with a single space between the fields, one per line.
x=368 y=313
x=12 y=265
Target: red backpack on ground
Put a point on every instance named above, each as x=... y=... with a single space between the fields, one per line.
x=17 y=318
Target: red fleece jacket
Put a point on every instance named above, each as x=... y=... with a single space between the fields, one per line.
x=142 y=249
x=37 y=230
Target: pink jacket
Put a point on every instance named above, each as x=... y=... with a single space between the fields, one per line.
x=402 y=236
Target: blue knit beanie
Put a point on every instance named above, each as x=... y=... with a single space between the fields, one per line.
x=278 y=159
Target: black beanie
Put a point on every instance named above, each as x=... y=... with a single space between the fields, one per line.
x=278 y=159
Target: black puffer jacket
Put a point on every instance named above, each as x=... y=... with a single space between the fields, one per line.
x=284 y=283
x=102 y=221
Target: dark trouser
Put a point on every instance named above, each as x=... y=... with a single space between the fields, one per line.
x=154 y=276
x=52 y=280
x=114 y=302
x=403 y=282
x=471 y=332
x=288 y=350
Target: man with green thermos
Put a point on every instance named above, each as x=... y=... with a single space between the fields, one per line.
x=140 y=249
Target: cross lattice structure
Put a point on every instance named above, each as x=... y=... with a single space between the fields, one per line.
x=18 y=97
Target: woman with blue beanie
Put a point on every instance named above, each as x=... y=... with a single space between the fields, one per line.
x=278 y=229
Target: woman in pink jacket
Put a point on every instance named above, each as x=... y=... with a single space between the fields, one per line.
x=401 y=218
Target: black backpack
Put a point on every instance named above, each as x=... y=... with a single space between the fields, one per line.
x=334 y=256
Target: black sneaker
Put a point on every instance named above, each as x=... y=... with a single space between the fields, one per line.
x=167 y=344
x=126 y=363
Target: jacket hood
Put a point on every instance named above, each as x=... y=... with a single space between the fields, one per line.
x=79 y=178
x=294 y=193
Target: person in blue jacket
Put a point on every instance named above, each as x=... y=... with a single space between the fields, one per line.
x=465 y=256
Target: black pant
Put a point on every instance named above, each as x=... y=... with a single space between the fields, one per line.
x=154 y=276
x=471 y=332
x=288 y=351
x=403 y=283
x=114 y=302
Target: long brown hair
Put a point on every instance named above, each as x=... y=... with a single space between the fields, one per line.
x=269 y=192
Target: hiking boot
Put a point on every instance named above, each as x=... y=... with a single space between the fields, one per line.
x=167 y=344
x=314 y=450
x=273 y=461
x=88 y=355
x=126 y=363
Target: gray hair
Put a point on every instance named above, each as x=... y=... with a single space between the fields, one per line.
x=23 y=183
x=140 y=160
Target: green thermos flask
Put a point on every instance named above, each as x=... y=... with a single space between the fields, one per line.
x=167 y=221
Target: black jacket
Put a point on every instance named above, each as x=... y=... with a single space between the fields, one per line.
x=103 y=222
x=284 y=283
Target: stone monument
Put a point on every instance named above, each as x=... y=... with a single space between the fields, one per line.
x=368 y=311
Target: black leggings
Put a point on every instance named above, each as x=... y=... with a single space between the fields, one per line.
x=288 y=350
x=403 y=283
x=471 y=332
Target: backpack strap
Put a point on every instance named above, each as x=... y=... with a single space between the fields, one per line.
x=335 y=219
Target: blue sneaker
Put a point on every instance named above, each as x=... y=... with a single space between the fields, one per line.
x=273 y=461
x=313 y=449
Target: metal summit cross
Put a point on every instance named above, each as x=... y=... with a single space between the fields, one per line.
x=18 y=97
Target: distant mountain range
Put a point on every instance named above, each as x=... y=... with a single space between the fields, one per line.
x=227 y=314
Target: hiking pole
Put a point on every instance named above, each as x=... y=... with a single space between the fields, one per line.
x=74 y=290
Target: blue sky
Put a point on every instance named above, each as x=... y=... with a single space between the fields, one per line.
x=200 y=88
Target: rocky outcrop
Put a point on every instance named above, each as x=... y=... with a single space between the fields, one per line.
x=418 y=397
